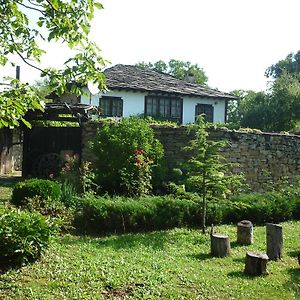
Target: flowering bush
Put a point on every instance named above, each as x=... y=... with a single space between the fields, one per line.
x=75 y=179
x=137 y=180
x=127 y=154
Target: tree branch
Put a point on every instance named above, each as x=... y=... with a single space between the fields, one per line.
x=51 y=5
x=36 y=4
x=32 y=8
x=29 y=64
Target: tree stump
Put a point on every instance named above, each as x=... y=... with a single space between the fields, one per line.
x=219 y=245
x=274 y=241
x=256 y=264
x=244 y=232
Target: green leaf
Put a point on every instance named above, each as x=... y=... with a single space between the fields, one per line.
x=55 y=4
x=85 y=28
x=98 y=5
x=26 y=122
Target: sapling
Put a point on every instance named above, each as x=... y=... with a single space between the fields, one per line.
x=209 y=175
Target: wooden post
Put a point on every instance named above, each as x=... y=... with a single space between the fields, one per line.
x=256 y=264
x=220 y=245
x=244 y=233
x=274 y=241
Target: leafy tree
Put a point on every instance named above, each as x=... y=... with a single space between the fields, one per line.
x=15 y=102
x=255 y=111
x=209 y=175
x=284 y=103
x=238 y=108
x=177 y=68
x=291 y=64
x=277 y=109
x=23 y=23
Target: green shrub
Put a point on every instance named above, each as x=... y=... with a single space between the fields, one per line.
x=68 y=194
x=76 y=177
x=61 y=215
x=23 y=235
x=30 y=188
x=120 y=214
x=100 y=215
x=127 y=156
x=261 y=208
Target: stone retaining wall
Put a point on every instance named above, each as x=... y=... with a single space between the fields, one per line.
x=264 y=158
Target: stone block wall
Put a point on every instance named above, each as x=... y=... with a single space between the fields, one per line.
x=264 y=158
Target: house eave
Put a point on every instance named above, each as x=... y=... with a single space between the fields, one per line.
x=178 y=94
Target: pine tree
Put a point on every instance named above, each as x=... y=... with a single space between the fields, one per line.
x=209 y=175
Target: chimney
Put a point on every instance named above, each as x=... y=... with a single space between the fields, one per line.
x=189 y=77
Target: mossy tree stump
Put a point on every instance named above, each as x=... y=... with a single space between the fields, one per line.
x=220 y=245
x=245 y=232
x=256 y=264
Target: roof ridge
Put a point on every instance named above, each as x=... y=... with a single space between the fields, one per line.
x=122 y=76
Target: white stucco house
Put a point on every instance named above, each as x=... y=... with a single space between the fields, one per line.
x=134 y=91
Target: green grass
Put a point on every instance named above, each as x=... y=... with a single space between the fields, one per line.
x=173 y=264
x=6 y=185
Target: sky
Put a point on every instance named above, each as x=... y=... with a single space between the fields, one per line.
x=234 y=41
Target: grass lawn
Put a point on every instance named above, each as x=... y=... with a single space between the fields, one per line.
x=6 y=184
x=173 y=264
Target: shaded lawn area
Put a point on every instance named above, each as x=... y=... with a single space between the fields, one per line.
x=6 y=185
x=172 y=264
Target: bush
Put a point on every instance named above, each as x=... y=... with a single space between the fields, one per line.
x=267 y=207
x=76 y=177
x=100 y=215
x=30 y=188
x=54 y=208
x=127 y=155
x=68 y=194
x=120 y=214
x=23 y=235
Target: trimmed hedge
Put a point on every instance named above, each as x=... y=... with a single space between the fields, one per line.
x=261 y=208
x=102 y=215
x=23 y=235
x=30 y=188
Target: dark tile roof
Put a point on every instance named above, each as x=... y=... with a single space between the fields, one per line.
x=126 y=77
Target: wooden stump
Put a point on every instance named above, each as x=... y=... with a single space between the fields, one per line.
x=219 y=245
x=274 y=241
x=256 y=264
x=244 y=232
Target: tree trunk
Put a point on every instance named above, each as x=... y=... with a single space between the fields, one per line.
x=274 y=241
x=204 y=215
x=204 y=205
x=244 y=233
x=219 y=245
x=256 y=264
